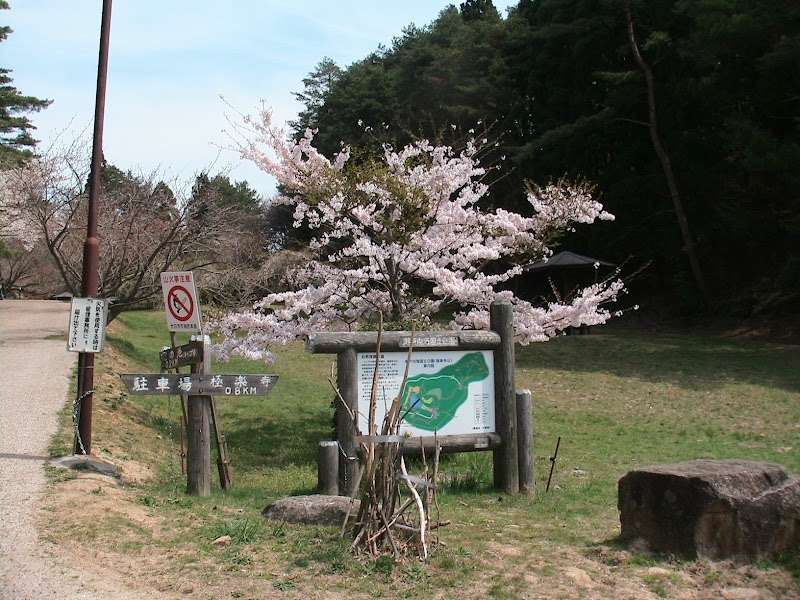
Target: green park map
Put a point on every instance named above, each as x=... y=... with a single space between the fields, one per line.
x=448 y=392
x=430 y=401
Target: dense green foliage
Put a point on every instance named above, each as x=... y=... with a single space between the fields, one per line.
x=16 y=141
x=555 y=83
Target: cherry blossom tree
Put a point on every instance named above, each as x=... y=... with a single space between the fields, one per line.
x=405 y=236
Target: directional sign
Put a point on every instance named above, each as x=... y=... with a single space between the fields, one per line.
x=180 y=300
x=174 y=384
x=87 y=325
x=180 y=356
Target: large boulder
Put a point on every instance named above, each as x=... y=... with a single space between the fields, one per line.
x=716 y=509
x=312 y=510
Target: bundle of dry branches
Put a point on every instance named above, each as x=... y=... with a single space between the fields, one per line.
x=394 y=515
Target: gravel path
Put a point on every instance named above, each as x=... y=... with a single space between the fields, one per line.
x=35 y=371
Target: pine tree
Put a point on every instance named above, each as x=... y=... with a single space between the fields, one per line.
x=316 y=87
x=15 y=128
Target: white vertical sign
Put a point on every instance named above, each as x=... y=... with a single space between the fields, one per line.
x=87 y=325
x=180 y=301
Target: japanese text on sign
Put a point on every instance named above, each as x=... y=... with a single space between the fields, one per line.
x=220 y=385
x=183 y=277
x=87 y=325
x=180 y=301
x=180 y=356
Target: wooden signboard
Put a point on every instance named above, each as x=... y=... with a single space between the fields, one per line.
x=460 y=394
x=174 y=384
x=181 y=356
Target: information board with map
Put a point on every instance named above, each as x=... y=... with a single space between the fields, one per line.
x=447 y=392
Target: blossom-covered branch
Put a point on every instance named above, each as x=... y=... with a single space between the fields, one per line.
x=405 y=236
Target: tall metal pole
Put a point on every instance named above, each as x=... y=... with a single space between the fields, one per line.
x=91 y=248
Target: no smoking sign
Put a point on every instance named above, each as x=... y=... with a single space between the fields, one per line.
x=180 y=303
x=180 y=300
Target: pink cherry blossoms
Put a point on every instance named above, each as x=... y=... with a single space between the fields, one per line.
x=404 y=236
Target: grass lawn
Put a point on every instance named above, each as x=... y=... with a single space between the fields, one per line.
x=618 y=400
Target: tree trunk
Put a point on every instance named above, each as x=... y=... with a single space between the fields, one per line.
x=393 y=283
x=663 y=158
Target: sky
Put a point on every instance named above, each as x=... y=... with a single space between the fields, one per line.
x=171 y=63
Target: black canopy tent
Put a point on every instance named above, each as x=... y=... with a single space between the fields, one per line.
x=565 y=271
x=566 y=260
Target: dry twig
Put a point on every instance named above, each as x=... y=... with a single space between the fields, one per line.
x=388 y=522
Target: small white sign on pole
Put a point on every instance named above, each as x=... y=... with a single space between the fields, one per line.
x=87 y=325
x=180 y=301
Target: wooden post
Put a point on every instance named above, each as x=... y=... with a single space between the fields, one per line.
x=198 y=433
x=198 y=448
x=328 y=468
x=506 y=465
x=527 y=460
x=90 y=277
x=347 y=377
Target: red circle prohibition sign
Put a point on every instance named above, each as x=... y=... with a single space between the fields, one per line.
x=180 y=306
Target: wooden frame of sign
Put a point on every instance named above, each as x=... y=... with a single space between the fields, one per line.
x=513 y=464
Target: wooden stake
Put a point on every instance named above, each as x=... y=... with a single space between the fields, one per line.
x=223 y=463
x=553 y=464
x=526 y=457
x=183 y=449
x=184 y=415
x=328 y=468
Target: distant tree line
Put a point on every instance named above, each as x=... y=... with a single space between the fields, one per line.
x=146 y=226
x=684 y=113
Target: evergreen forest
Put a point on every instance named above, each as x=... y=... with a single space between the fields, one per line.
x=684 y=114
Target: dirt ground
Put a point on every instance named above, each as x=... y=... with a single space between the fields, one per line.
x=97 y=518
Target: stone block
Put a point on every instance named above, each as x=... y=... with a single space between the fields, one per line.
x=717 y=509
x=312 y=510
